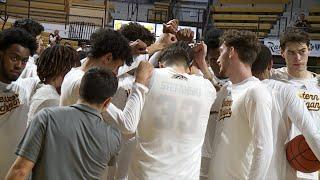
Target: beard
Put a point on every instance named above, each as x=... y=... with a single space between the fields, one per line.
x=5 y=75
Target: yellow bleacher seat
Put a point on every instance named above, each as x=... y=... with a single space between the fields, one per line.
x=314 y=9
x=314 y=36
x=251 y=26
x=91 y=4
x=47 y=6
x=222 y=9
x=317 y=26
x=253 y=1
x=313 y=18
x=245 y=17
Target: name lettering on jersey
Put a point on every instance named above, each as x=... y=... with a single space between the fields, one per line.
x=180 y=89
x=225 y=110
x=8 y=103
x=312 y=100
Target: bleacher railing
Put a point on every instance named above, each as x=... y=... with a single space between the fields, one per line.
x=81 y=27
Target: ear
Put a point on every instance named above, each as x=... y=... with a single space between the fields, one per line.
x=231 y=52
x=106 y=102
x=282 y=53
x=107 y=58
x=270 y=65
x=161 y=65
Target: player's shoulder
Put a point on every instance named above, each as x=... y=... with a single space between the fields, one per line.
x=277 y=84
x=279 y=73
x=75 y=72
x=73 y=76
x=258 y=90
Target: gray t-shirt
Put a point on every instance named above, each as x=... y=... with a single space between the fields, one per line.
x=69 y=143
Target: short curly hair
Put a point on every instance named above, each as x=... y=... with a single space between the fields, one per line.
x=33 y=27
x=246 y=44
x=178 y=52
x=211 y=38
x=105 y=41
x=294 y=35
x=55 y=61
x=134 y=31
x=19 y=36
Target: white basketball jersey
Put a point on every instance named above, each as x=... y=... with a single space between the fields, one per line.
x=171 y=131
x=309 y=90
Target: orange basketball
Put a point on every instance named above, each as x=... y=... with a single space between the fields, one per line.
x=300 y=156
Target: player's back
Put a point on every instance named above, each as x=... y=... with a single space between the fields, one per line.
x=172 y=126
x=70 y=87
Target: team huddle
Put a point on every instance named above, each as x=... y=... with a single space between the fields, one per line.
x=139 y=108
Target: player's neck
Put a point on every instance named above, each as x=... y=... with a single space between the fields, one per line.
x=262 y=75
x=240 y=73
x=4 y=80
x=93 y=106
x=179 y=69
x=300 y=74
x=90 y=63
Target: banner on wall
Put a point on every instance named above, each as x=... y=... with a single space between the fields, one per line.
x=274 y=46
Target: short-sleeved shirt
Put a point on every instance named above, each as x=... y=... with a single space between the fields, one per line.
x=69 y=143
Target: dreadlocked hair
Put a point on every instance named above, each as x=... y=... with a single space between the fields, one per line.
x=55 y=61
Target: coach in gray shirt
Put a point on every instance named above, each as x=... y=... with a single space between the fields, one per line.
x=71 y=142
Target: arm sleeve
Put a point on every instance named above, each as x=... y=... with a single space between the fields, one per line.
x=154 y=59
x=303 y=120
x=31 y=143
x=128 y=119
x=258 y=108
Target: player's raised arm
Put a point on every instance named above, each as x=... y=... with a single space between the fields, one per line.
x=128 y=119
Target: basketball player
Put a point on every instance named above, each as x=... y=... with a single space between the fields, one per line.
x=109 y=50
x=172 y=127
x=285 y=104
x=35 y=29
x=244 y=148
x=211 y=39
x=294 y=45
x=52 y=66
x=16 y=45
x=71 y=142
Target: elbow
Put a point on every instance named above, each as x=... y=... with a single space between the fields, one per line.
x=17 y=173
x=129 y=130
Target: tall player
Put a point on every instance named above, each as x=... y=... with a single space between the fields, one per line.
x=172 y=127
x=285 y=104
x=294 y=45
x=212 y=41
x=244 y=148
x=16 y=45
